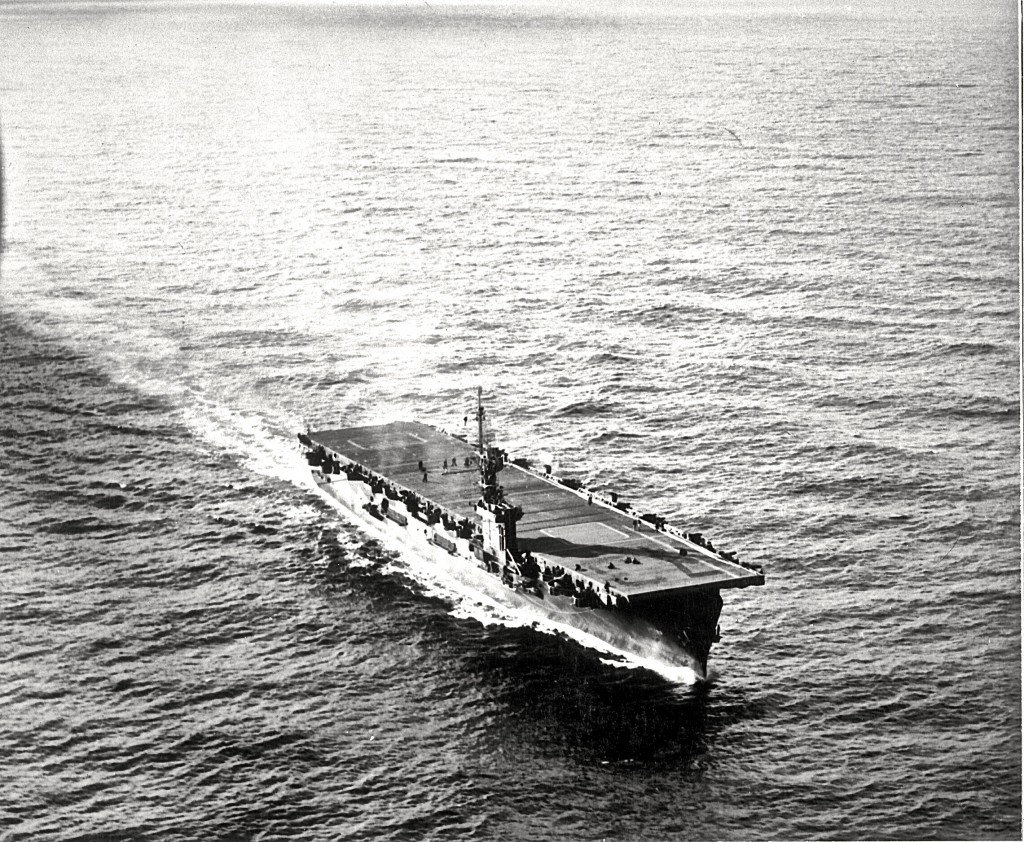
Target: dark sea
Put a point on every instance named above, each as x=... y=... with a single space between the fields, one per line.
x=754 y=264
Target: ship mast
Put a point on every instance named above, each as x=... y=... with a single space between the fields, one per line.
x=489 y=466
x=497 y=516
x=481 y=446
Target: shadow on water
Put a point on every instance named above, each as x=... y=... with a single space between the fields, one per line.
x=565 y=700
x=548 y=694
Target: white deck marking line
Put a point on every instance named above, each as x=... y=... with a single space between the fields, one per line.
x=355 y=444
x=418 y=438
x=674 y=549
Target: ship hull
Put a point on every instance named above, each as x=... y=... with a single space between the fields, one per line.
x=656 y=640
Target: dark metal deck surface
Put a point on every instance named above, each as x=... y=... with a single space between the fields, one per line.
x=559 y=524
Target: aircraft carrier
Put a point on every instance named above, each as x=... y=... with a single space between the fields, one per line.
x=582 y=561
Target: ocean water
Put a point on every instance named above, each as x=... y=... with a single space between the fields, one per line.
x=753 y=264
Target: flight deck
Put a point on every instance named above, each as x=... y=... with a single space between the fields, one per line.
x=580 y=530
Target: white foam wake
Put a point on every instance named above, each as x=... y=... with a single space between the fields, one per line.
x=263 y=447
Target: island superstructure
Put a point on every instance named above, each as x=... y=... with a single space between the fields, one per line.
x=577 y=559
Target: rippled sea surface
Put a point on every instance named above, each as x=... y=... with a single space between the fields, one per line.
x=755 y=265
